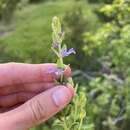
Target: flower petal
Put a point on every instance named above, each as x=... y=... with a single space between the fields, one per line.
x=59 y=71
x=65 y=53
x=71 y=51
x=50 y=70
x=56 y=71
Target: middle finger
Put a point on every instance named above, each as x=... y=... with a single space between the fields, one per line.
x=30 y=87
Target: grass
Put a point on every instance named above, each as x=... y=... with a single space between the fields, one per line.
x=30 y=38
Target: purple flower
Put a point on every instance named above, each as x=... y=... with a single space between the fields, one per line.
x=66 y=52
x=56 y=71
x=55 y=45
x=60 y=34
x=59 y=71
x=50 y=70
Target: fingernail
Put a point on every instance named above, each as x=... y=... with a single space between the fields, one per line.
x=61 y=96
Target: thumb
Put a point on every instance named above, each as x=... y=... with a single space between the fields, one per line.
x=38 y=109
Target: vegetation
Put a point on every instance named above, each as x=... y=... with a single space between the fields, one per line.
x=99 y=31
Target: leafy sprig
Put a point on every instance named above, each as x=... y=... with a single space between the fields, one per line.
x=60 y=50
x=73 y=116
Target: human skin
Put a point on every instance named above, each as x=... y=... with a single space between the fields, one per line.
x=29 y=95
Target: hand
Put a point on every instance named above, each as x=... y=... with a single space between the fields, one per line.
x=29 y=95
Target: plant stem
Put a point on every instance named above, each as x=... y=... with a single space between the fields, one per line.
x=80 y=125
x=65 y=125
x=60 y=58
x=75 y=113
x=61 y=62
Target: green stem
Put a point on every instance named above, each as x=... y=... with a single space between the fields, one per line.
x=61 y=62
x=65 y=125
x=80 y=125
x=60 y=58
x=75 y=110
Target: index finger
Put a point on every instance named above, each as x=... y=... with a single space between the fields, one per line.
x=19 y=73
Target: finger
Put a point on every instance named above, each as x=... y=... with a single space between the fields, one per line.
x=40 y=108
x=18 y=73
x=30 y=87
x=6 y=109
x=13 y=99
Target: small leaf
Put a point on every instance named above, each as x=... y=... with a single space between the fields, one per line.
x=70 y=81
x=55 y=51
x=129 y=9
x=67 y=110
x=64 y=47
x=82 y=114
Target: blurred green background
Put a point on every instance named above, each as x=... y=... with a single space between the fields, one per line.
x=99 y=30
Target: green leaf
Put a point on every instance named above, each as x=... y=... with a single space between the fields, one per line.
x=70 y=81
x=64 y=47
x=55 y=51
x=56 y=25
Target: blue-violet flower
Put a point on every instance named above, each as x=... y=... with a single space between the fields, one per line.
x=56 y=71
x=65 y=52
